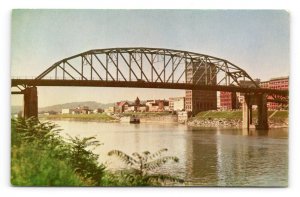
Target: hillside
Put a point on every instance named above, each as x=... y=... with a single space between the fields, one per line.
x=90 y=104
x=57 y=108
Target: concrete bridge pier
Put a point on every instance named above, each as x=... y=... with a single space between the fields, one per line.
x=262 y=112
x=30 y=102
x=247 y=112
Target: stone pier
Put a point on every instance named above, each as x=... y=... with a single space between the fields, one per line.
x=262 y=112
x=30 y=102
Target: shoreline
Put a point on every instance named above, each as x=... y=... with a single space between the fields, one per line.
x=193 y=122
x=231 y=123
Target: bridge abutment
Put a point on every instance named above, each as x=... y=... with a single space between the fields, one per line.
x=30 y=102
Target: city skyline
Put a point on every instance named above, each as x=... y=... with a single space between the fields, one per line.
x=257 y=41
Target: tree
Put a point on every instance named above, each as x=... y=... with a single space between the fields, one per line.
x=84 y=161
x=142 y=166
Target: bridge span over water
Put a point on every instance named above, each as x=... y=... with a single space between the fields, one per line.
x=141 y=67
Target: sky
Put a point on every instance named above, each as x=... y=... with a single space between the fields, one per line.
x=256 y=40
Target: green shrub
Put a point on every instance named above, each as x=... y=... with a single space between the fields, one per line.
x=40 y=157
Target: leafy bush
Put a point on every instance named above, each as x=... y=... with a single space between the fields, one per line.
x=40 y=157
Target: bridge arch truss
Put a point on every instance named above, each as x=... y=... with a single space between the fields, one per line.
x=155 y=65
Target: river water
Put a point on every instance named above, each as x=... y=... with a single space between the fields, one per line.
x=207 y=156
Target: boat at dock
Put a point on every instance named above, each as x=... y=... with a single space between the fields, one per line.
x=134 y=120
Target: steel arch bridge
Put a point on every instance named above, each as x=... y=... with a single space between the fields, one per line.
x=151 y=68
x=147 y=68
x=134 y=64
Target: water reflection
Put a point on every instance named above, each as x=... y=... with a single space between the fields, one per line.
x=208 y=157
x=226 y=157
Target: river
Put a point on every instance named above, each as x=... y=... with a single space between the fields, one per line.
x=207 y=156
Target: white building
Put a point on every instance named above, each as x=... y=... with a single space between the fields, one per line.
x=66 y=111
x=177 y=103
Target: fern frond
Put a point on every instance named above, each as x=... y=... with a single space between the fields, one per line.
x=123 y=156
x=162 y=178
x=158 y=153
x=159 y=162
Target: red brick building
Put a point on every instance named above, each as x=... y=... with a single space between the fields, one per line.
x=233 y=100
x=279 y=83
x=228 y=100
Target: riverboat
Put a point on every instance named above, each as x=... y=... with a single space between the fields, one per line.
x=134 y=120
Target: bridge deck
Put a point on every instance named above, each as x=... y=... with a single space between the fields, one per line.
x=136 y=84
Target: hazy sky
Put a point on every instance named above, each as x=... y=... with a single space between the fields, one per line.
x=257 y=41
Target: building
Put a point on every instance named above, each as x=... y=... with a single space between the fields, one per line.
x=110 y=110
x=77 y=110
x=131 y=108
x=97 y=111
x=199 y=100
x=66 y=111
x=234 y=100
x=157 y=105
x=136 y=106
x=83 y=109
x=229 y=100
x=177 y=103
x=121 y=106
x=279 y=83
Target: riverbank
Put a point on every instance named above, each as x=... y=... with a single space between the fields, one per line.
x=81 y=117
x=163 y=117
x=233 y=119
x=225 y=119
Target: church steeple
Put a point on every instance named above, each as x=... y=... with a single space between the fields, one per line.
x=137 y=101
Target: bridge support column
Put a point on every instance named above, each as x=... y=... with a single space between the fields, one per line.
x=262 y=112
x=30 y=102
x=247 y=112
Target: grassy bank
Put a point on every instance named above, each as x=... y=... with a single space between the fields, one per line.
x=82 y=117
x=237 y=115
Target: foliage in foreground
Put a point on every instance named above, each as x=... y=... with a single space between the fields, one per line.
x=142 y=168
x=40 y=157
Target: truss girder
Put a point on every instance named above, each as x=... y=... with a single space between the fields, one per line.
x=147 y=65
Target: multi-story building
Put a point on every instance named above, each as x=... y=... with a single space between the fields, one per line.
x=279 y=83
x=176 y=103
x=229 y=100
x=233 y=100
x=157 y=105
x=198 y=100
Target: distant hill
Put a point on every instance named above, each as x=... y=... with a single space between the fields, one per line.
x=72 y=105
x=90 y=104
